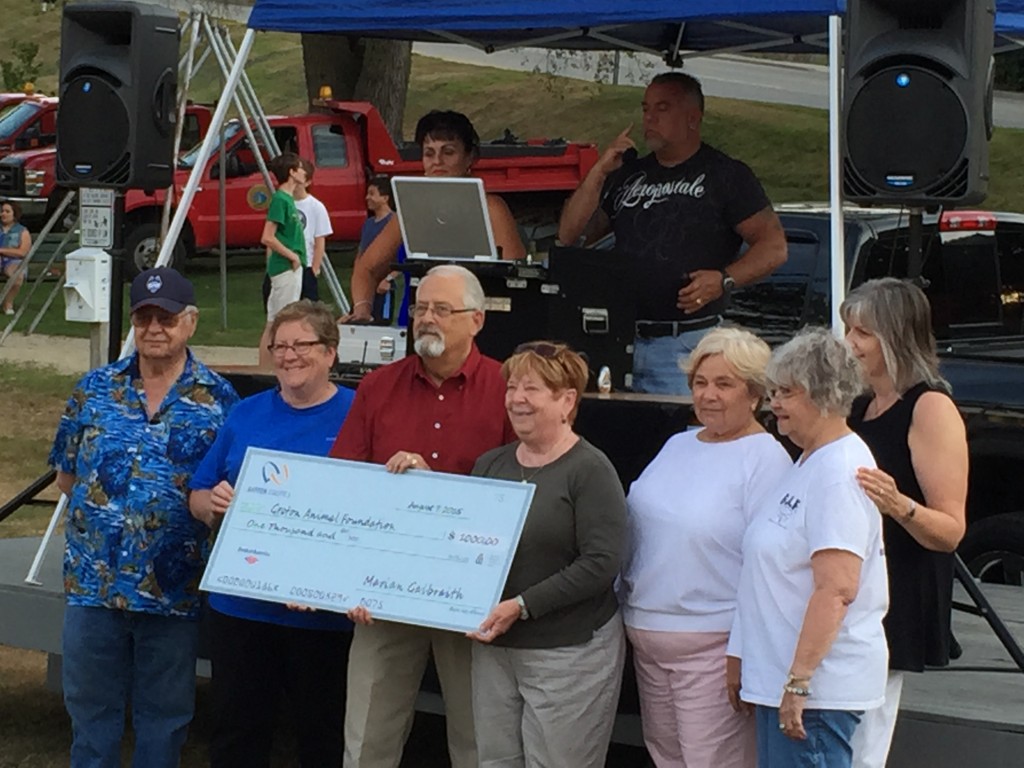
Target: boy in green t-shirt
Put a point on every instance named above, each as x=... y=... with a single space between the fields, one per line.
x=285 y=239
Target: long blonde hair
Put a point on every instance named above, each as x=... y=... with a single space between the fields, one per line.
x=899 y=315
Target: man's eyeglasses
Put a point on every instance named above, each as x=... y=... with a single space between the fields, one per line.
x=300 y=348
x=440 y=310
x=141 y=318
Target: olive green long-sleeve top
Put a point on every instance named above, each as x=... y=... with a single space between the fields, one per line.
x=571 y=547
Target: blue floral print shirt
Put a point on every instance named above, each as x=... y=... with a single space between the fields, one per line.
x=131 y=542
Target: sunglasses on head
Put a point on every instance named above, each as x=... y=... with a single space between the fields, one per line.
x=542 y=348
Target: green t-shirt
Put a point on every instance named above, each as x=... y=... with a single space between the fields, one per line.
x=282 y=211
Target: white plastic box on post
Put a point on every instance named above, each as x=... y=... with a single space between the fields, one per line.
x=87 y=286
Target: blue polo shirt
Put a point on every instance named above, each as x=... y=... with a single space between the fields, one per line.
x=265 y=420
x=131 y=542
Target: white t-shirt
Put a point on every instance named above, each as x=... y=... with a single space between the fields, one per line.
x=315 y=223
x=688 y=512
x=817 y=506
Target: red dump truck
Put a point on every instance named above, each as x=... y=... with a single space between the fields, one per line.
x=348 y=143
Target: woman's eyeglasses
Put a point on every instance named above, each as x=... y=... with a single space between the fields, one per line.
x=300 y=348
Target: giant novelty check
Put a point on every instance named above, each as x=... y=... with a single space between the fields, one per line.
x=422 y=548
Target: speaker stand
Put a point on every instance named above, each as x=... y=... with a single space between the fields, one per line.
x=117 y=257
x=982 y=607
x=915 y=247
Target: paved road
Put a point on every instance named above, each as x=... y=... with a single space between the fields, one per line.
x=733 y=77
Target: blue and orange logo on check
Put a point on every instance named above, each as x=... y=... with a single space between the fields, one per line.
x=274 y=472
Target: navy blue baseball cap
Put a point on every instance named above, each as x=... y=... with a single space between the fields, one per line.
x=162 y=287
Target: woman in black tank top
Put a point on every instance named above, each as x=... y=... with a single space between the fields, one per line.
x=918 y=439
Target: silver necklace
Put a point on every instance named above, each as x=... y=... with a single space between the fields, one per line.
x=524 y=478
x=527 y=478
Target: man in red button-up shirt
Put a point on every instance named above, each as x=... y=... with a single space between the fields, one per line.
x=440 y=410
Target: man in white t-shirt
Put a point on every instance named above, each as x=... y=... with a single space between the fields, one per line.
x=317 y=224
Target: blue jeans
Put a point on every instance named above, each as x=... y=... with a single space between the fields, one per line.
x=656 y=362
x=828 y=742
x=112 y=657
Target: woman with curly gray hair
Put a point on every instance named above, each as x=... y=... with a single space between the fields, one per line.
x=813 y=590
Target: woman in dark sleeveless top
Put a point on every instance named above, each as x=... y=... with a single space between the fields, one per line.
x=918 y=439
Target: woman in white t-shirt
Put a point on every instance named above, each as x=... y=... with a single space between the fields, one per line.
x=687 y=515
x=813 y=588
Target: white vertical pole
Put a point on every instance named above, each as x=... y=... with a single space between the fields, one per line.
x=835 y=176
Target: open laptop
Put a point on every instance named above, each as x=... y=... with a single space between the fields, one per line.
x=444 y=219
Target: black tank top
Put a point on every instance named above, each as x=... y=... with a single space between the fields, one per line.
x=917 y=626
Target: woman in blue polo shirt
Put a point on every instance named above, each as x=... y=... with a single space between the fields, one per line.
x=259 y=649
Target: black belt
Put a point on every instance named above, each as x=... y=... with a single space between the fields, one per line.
x=655 y=330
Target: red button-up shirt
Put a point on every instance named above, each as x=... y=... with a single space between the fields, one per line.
x=398 y=408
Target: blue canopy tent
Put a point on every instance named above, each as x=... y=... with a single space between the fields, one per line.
x=656 y=26
x=653 y=24
x=672 y=29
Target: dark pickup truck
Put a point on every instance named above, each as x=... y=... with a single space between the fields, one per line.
x=973 y=273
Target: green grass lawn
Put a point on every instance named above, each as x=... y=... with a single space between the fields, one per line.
x=245 y=318
x=34 y=398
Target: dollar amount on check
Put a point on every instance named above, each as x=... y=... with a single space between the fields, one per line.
x=422 y=548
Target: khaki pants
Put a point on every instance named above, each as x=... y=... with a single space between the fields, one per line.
x=548 y=707
x=384 y=674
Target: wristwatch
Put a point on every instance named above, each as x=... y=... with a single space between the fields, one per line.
x=727 y=282
x=524 y=614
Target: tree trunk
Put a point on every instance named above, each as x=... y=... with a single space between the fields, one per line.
x=360 y=69
x=384 y=80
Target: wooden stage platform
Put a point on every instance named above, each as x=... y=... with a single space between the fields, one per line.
x=949 y=718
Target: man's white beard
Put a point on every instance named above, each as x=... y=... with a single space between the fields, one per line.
x=430 y=344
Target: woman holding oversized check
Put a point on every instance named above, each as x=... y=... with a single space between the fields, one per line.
x=261 y=649
x=548 y=664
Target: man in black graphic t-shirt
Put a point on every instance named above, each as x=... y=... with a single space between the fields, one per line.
x=686 y=209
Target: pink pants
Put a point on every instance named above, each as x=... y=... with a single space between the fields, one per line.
x=687 y=719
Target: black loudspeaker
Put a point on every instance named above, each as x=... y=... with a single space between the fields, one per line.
x=917 y=102
x=118 y=89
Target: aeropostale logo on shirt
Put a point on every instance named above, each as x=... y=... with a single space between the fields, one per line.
x=788 y=505
x=636 y=191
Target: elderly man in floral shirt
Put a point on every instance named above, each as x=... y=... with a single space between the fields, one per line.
x=127 y=445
